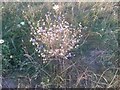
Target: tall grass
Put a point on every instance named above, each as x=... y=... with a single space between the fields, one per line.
x=91 y=61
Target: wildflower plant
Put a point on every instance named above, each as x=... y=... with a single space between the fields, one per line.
x=54 y=36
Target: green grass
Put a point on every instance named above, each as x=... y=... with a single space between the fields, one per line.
x=100 y=33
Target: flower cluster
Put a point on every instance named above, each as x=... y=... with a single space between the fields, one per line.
x=54 y=36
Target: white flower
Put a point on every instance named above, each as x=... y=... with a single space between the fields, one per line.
x=19 y=25
x=22 y=23
x=55 y=7
x=11 y=56
x=1 y=41
x=102 y=29
x=43 y=23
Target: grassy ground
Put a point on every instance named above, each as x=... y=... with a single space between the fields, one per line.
x=94 y=63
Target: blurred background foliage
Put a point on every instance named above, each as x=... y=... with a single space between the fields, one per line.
x=100 y=34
